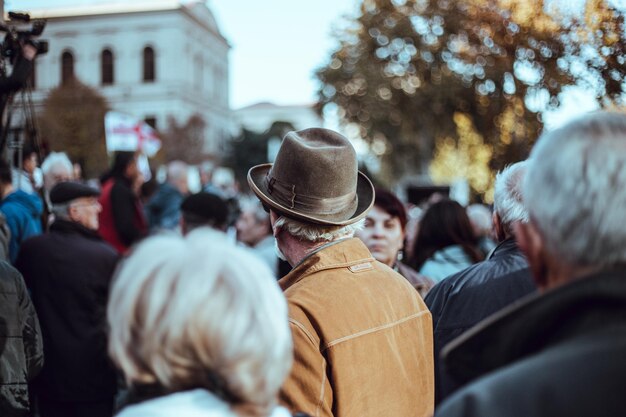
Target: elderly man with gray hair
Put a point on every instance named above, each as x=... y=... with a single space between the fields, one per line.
x=561 y=353
x=163 y=209
x=362 y=335
x=467 y=297
x=68 y=271
x=55 y=168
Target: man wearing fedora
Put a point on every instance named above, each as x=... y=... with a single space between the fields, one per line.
x=362 y=335
x=68 y=271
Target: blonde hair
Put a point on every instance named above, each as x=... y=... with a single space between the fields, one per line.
x=198 y=312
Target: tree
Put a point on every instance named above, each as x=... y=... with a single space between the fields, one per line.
x=404 y=71
x=73 y=122
x=250 y=149
x=184 y=142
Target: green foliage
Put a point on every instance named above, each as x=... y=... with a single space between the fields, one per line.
x=403 y=69
x=73 y=122
x=250 y=149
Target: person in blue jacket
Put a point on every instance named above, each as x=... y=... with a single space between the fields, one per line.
x=22 y=211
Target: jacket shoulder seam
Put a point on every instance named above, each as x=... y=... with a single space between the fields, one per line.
x=303 y=329
x=374 y=329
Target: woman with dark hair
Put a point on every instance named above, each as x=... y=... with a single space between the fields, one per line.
x=384 y=234
x=122 y=221
x=445 y=241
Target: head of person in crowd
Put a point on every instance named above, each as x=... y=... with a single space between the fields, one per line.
x=148 y=189
x=575 y=196
x=384 y=229
x=206 y=172
x=56 y=168
x=77 y=171
x=202 y=318
x=123 y=166
x=481 y=219
x=313 y=190
x=508 y=204
x=203 y=210
x=178 y=177
x=76 y=202
x=6 y=178
x=29 y=159
x=253 y=224
x=444 y=224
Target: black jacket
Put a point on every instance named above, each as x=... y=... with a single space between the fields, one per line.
x=462 y=300
x=68 y=271
x=21 y=351
x=559 y=354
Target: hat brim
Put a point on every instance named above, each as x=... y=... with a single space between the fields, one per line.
x=365 y=194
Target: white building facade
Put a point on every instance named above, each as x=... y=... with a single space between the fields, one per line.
x=151 y=60
x=260 y=116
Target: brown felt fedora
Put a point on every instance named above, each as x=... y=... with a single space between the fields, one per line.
x=315 y=179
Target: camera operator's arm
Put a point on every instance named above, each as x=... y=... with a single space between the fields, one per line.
x=21 y=70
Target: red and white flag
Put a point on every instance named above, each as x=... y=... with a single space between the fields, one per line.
x=127 y=133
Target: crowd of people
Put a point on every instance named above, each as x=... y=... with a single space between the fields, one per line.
x=317 y=294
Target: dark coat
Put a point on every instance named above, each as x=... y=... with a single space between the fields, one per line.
x=68 y=271
x=421 y=283
x=122 y=221
x=21 y=350
x=559 y=354
x=464 y=299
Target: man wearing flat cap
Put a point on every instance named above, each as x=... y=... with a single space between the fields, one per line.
x=203 y=210
x=68 y=271
x=362 y=334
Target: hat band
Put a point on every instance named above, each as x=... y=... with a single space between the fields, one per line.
x=286 y=195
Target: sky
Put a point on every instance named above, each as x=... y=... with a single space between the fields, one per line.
x=276 y=44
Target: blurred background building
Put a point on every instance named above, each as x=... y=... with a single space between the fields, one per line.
x=152 y=60
x=260 y=116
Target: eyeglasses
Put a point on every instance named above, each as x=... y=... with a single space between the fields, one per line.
x=265 y=207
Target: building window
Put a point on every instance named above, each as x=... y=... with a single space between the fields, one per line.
x=148 y=64
x=67 y=67
x=199 y=72
x=107 y=67
x=151 y=121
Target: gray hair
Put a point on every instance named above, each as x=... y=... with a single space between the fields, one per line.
x=574 y=190
x=177 y=171
x=182 y=319
x=507 y=197
x=56 y=164
x=61 y=211
x=317 y=233
x=56 y=161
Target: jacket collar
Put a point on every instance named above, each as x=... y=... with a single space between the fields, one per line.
x=68 y=226
x=338 y=254
x=536 y=322
x=504 y=248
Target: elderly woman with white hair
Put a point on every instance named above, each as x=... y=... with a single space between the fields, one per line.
x=199 y=328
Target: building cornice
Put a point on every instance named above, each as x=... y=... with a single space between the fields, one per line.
x=102 y=10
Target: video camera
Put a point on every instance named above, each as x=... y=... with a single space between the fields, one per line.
x=12 y=44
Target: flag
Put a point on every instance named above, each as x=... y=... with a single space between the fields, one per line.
x=127 y=133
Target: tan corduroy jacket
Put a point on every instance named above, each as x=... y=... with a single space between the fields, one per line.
x=362 y=338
